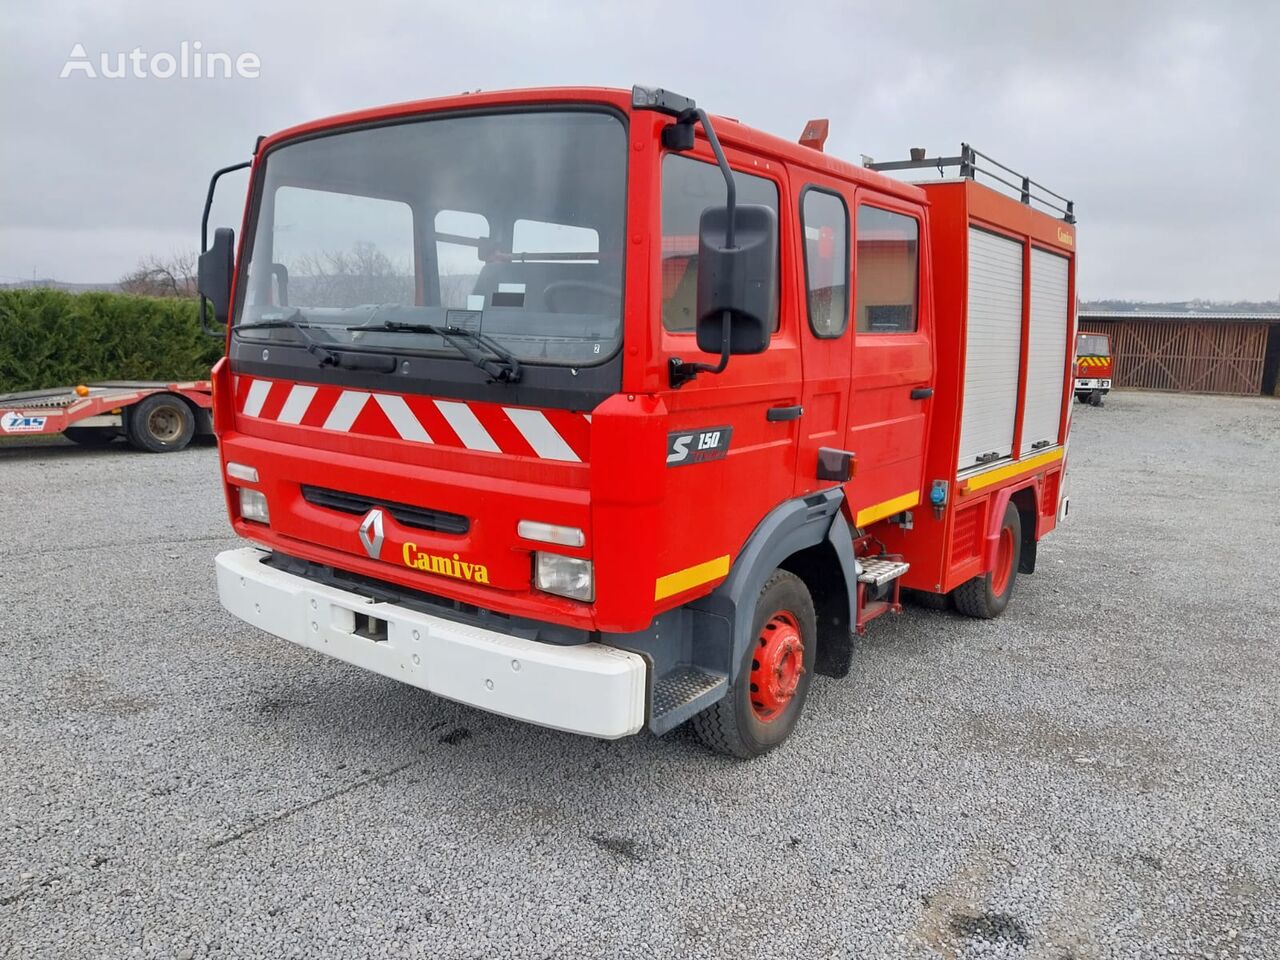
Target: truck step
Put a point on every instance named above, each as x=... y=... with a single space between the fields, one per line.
x=878 y=572
x=680 y=693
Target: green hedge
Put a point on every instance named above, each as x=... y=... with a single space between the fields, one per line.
x=50 y=338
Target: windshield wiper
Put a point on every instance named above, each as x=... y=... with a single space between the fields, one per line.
x=336 y=357
x=502 y=366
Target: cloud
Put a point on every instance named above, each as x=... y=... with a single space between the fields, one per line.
x=1157 y=119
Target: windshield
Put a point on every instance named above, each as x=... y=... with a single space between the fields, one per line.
x=506 y=227
x=1093 y=345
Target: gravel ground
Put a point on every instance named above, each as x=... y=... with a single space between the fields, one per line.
x=1093 y=775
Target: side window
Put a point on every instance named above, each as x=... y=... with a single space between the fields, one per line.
x=341 y=249
x=888 y=274
x=688 y=187
x=458 y=236
x=825 y=221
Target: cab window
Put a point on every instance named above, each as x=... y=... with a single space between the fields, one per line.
x=689 y=187
x=825 y=221
x=888 y=271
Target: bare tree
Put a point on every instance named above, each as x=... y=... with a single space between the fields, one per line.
x=350 y=278
x=156 y=276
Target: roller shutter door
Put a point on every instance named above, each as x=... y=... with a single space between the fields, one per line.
x=1046 y=350
x=993 y=349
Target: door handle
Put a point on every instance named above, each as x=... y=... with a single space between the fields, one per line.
x=776 y=414
x=921 y=393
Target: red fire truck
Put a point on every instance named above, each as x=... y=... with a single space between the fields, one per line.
x=1093 y=367
x=580 y=407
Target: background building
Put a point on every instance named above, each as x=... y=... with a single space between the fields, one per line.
x=1193 y=352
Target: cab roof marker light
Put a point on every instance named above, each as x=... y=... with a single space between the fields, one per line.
x=551 y=533
x=239 y=471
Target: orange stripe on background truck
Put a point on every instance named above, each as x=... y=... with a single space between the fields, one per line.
x=589 y=409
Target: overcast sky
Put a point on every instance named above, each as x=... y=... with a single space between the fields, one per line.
x=1158 y=119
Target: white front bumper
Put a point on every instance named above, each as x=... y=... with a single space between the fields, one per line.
x=589 y=688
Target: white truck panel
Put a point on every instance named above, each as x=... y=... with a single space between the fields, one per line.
x=993 y=348
x=1046 y=350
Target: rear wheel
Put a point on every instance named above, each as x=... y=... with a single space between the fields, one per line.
x=161 y=423
x=762 y=705
x=90 y=436
x=986 y=596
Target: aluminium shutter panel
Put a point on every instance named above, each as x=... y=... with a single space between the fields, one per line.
x=993 y=348
x=1046 y=350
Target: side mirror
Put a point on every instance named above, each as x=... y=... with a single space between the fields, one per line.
x=213 y=276
x=737 y=278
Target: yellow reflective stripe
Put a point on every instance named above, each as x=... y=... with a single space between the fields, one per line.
x=1011 y=470
x=888 y=508
x=690 y=577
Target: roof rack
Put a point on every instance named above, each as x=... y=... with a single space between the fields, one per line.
x=967 y=161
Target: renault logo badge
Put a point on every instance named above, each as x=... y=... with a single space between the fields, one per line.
x=371 y=532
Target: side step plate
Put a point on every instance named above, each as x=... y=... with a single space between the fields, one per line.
x=682 y=692
x=879 y=572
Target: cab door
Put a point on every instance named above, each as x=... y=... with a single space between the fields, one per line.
x=824 y=279
x=892 y=366
x=732 y=437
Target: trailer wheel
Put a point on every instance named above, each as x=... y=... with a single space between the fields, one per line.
x=762 y=705
x=90 y=436
x=161 y=423
x=985 y=597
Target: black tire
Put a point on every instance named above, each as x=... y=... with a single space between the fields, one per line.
x=90 y=436
x=733 y=725
x=980 y=597
x=162 y=423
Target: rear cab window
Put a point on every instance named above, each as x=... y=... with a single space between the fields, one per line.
x=887 y=272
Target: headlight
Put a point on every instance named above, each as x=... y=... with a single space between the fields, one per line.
x=253 y=505
x=564 y=576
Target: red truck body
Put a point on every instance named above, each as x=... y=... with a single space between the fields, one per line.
x=906 y=426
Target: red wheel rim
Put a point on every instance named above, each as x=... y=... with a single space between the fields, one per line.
x=776 y=666
x=1004 y=563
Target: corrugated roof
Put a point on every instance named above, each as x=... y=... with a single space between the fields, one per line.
x=1199 y=317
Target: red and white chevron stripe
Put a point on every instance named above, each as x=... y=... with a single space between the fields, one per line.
x=486 y=427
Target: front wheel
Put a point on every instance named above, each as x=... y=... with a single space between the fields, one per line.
x=762 y=705
x=985 y=597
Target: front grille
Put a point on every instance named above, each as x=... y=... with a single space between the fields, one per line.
x=405 y=514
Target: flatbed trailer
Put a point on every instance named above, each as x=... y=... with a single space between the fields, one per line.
x=155 y=416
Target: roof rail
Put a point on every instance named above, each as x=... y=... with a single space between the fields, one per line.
x=968 y=162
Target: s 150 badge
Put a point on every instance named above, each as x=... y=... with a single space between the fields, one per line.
x=697 y=446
